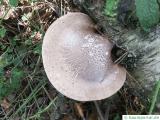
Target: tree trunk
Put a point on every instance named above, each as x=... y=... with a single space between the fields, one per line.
x=143 y=58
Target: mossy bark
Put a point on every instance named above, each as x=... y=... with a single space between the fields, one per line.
x=143 y=58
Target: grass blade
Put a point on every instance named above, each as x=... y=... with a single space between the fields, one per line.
x=154 y=99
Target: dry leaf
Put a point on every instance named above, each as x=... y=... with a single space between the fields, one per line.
x=6 y=14
x=37 y=36
x=2 y=11
x=5 y=104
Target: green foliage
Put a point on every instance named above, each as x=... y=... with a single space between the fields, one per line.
x=13 y=3
x=2 y=32
x=20 y=62
x=110 y=7
x=10 y=83
x=16 y=76
x=10 y=77
x=3 y=89
x=3 y=61
x=38 y=49
x=147 y=12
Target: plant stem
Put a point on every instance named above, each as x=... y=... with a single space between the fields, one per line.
x=99 y=111
x=154 y=97
x=44 y=110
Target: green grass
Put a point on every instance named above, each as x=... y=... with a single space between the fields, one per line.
x=22 y=78
x=23 y=81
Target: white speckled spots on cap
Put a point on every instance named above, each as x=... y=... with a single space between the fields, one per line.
x=78 y=61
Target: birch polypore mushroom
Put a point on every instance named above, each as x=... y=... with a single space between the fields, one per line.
x=77 y=60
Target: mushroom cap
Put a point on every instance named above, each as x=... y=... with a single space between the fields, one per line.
x=77 y=60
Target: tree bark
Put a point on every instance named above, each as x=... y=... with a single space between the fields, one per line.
x=143 y=49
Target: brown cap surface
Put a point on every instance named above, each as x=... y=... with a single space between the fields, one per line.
x=77 y=60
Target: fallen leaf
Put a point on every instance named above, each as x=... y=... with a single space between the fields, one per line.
x=37 y=36
x=2 y=11
x=5 y=104
x=7 y=13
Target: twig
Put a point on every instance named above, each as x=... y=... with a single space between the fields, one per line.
x=121 y=58
x=99 y=110
x=34 y=5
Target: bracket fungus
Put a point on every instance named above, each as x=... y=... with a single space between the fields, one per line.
x=77 y=59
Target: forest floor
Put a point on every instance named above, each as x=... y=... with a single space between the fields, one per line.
x=25 y=91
